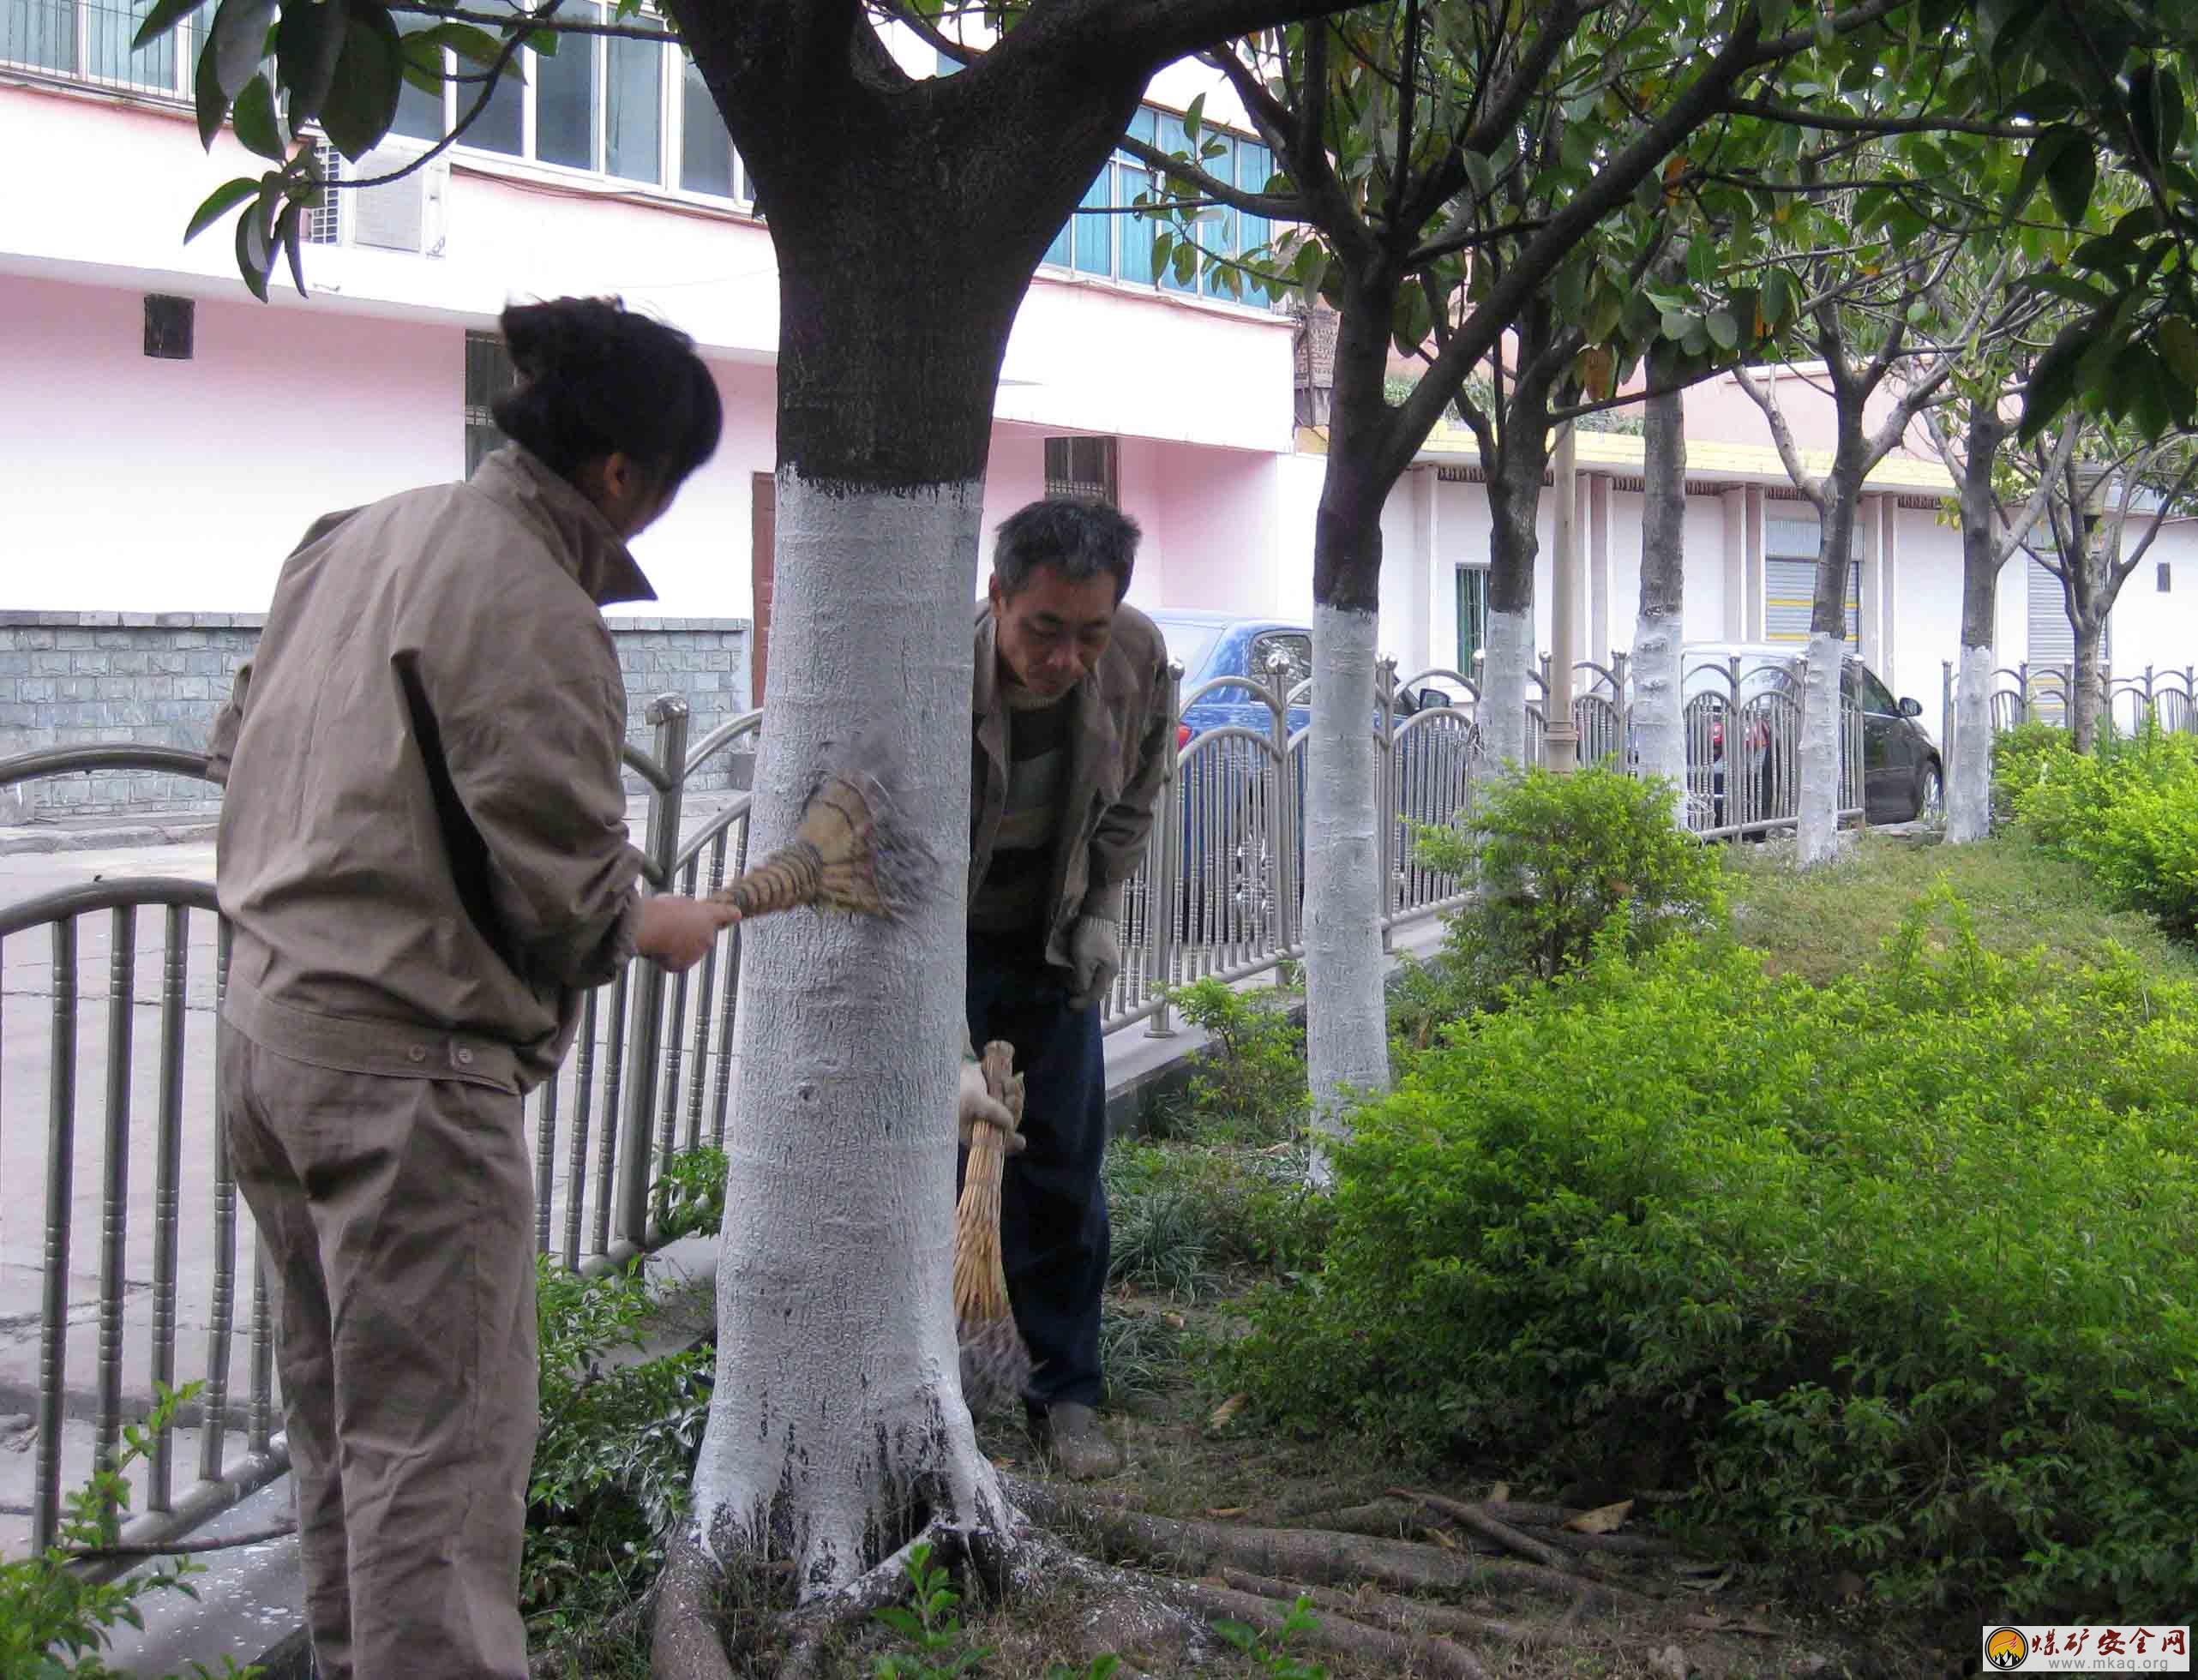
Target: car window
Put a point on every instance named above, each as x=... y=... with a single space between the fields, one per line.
x=1297 y=649
x=1876 y=697
x=1192 y=644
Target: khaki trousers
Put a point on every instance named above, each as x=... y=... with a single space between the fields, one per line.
x=398 y=1221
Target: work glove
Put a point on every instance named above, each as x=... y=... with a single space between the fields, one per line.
x=1095 y=952
x=975 y=1103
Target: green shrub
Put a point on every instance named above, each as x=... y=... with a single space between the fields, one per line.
x=688 y=1197
x=2130 y=814
x=55 y=1621
x=1249 y=1082
x=1897 y=1274
x=617 y=1446
x=1556 y=857
x=2023 y=757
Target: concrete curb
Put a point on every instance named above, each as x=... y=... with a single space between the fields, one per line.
x=33 y=838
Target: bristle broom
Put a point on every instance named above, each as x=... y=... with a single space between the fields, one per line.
x=995 y=1362
x=852 y=849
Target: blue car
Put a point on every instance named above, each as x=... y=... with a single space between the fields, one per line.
x=1212 y=645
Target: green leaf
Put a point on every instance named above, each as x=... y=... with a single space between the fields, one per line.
x=1774 y=15
x=2043 y=151
x=2069 y=179
x=2053 y=381
x=213 y=103
x=1194 y=118
x=1701 y=261
x=362 y=100
x=309 y=40
x=164 y=15
x=476 y=46
x=1778 y=297
x=1724 y=329
x=219 y=203
x=239 y=38
x=289 y=232
x=255 y=117
x=2178 y=345
x=253 y=256
x=544 y=43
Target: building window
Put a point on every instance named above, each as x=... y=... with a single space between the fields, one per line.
x=1472 y=617
x=630 y=109
x=88 y=40
x=489 y=376
x=1104 y=240
x=2163 y=577
x=1791 y=540
x=1082 y=467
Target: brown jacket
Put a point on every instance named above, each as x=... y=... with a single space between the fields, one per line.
x=423 y=845
x=1122 y=751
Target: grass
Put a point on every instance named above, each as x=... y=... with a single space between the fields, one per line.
x=1827 y=923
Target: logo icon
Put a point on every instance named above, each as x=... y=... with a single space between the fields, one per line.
x=2007 y=1649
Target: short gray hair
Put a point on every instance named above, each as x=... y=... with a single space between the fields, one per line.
x=1081 y=536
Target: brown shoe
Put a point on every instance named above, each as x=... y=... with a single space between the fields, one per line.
x=1077 y=1442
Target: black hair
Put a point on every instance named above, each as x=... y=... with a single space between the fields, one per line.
x=1081 y=536
x=595 y=380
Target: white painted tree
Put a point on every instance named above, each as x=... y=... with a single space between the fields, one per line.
x=1862 y=334
x=1470 y=188
x=1658 y=720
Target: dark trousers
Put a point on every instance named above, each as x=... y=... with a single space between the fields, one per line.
x=1053 y=1209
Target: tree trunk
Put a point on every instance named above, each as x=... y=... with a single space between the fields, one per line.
x=1347 y=1023
x=1817 y=834
x=1658 y=728
x=1514 y=498
x=838 y=1429
x=1969 y=785
x=2088 y=702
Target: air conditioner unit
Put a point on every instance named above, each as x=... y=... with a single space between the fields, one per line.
x=400 y=215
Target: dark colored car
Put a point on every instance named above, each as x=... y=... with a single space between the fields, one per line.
x=1903 y=775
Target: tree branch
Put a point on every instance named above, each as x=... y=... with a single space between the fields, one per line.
x=1877 y=125
x=1782 y=434
x=1613 y=184
x=1400 y=175
x=2181 y=487
x=1144 y=34
x=1273 y=206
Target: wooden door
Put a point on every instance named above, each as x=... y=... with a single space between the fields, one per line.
x=762 y=527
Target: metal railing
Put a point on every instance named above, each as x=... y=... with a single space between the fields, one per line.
x=2025 y=693
x=1217 y=893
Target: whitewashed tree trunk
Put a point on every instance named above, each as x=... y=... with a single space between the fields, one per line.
x=1658 y=721
x=838 y=1426
x=1818 y=836
x=1503 y=714
x=1969 y=781
x=1347 y=1028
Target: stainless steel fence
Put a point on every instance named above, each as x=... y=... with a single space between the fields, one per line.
x=140 y=1259
x=2024 y=694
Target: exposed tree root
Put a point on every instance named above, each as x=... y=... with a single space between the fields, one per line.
x=1265 y=1570
x=685 y=1640
x=1324 y=1558
x=1397 y=1614
x=1478 y=1520
x=1333 y=1633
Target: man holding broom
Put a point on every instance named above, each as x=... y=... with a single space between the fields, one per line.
x=1071 y=744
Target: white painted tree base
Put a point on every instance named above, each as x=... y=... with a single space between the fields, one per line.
x=1503 y=713
x=1816 y=839
x=1659 y=723
x=1347 y=1028
x=1969 y=755
x=837 y=1424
